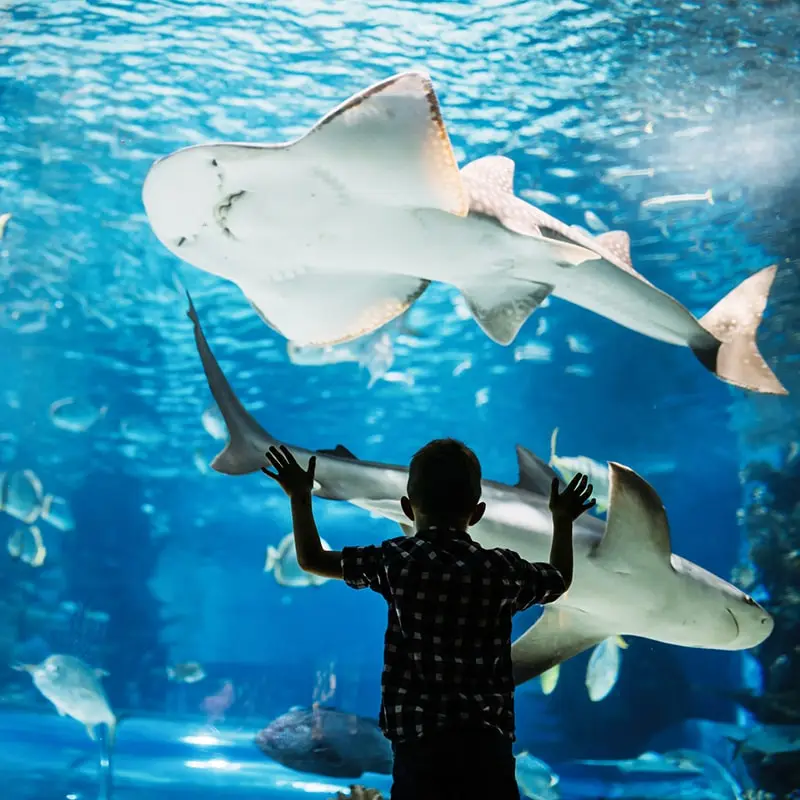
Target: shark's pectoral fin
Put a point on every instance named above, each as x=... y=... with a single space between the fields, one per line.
x=637 y=531
x=335 y=308
x=389 y=145
x=502 y=306
x=534 y=474
x=558 y=635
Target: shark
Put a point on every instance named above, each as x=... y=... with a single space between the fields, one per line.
x=331 y=235
x=627 y=581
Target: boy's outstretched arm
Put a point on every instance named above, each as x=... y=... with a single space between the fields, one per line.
x=566 y=508
x=298 y=484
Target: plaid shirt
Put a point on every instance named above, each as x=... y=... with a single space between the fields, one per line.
x=447 y=651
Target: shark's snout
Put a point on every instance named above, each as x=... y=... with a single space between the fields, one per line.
x=754 y=624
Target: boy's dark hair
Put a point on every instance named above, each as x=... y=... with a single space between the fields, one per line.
x=444 y=479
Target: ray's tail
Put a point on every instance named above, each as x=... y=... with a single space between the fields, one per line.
x=248 y=441
x=733 y=322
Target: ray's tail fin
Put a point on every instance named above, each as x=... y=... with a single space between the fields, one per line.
x=734 y=322
x=248 y=441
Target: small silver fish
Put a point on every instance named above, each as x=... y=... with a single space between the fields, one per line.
x=201 y=462
x=26 y=544
x=4 y=220
x=549 y=679
x=594 y=222
x=375 y=353
x=671 y=199
x=282 y=563
x=603 y=669
x=623 y=172
x=533 y=351
x=213 y=423
x=21 y=495
x=74 y=689
x=76 y=416
x=186 y=672
x=569 y=466
x=536 y=780
x=56 y=512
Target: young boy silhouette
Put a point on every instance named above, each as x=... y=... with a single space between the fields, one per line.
x=447 y=691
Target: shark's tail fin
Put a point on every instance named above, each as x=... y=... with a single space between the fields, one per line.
x=733 y=322
x=244 y=452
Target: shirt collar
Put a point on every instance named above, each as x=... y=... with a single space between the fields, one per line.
x=432 y=533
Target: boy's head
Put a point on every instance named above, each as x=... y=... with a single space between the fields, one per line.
x=444 y=486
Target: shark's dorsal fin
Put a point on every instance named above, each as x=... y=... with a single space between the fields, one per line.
x=637 y=530
x=341 y=451
x=534 y=474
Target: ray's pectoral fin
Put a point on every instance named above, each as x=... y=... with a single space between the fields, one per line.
x=637 y=531
x=558 y=635
x=335 y=308
x=388 y=144
x=501 y=307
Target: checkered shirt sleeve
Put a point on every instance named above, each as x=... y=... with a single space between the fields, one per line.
x=535 y=582
x=362 y=568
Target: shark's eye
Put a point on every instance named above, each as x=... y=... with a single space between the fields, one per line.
x=749 y=600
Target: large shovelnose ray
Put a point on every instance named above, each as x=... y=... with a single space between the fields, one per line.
x=627 y=581
x=335 y=233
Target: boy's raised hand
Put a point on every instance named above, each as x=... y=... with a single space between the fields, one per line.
x=294 y=480
x=574 y=500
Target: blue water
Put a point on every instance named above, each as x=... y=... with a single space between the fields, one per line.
x=704 y=95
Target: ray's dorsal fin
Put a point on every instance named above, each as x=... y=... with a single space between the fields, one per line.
x=534 y=474
x=503 y=304
x=492 y=172
x=618 y=243
x=637 y=531
x=340 y=451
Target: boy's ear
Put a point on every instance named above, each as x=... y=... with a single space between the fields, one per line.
x=405 y=503
x=479 y=511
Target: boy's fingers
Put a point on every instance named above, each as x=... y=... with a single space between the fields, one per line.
x=278 y=456
x=553 y=489
x=312 y=466
x=270 y=474
x=287 y=454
